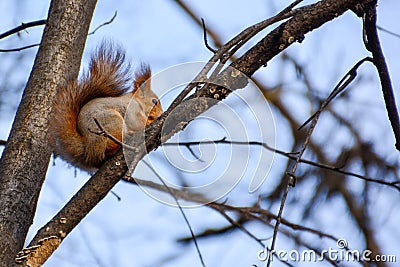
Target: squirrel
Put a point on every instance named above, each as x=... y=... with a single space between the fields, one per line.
x=102 y=93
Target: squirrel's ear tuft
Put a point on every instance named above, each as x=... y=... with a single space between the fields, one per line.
x=142 y=76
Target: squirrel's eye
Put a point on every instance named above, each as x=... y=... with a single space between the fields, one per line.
x=154 y=101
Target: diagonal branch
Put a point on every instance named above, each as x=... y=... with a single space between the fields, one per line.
x=180 y=209
x=340 y=87
x=103 y=24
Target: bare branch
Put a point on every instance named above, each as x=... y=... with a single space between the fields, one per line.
x=217 y=231
x=387 y=31
x=290 y=155
x=196 y=19
x=221 y=210
x=373 y=45
x=205 y=37
x=343 y=83
x=23 y=26
x=180 y=209
x=18 y=49
x=105 y=133
x=104 y=24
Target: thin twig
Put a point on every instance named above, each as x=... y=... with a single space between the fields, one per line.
x=290 y=155
x=210 y=232
x=180 y=209
x=105 y=133
x=343 y=83
x=195 y=18
x=387 y=31
x=104 y=24
x=270 y=215
x=194 y=154
x=116 y=195
x=19 y=48
x=219 y=208
x=181 y=194
x=23 y=26
x=3 y=142
x=205 y=37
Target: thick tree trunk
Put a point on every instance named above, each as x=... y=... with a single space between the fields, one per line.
x=26 y=157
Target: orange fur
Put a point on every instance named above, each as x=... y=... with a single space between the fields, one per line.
x=102 y=93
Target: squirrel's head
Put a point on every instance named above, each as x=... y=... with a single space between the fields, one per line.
x=144 y=95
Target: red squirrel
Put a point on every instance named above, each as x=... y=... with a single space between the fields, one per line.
x=102 y=93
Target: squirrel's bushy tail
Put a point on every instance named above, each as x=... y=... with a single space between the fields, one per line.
x=108 y=76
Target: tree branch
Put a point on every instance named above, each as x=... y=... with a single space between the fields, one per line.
x=387 y=31
x=18 y=49
x=373 y=45
x=340 y=87
x=104 y=24
x=23 y=26
x=292 y=156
